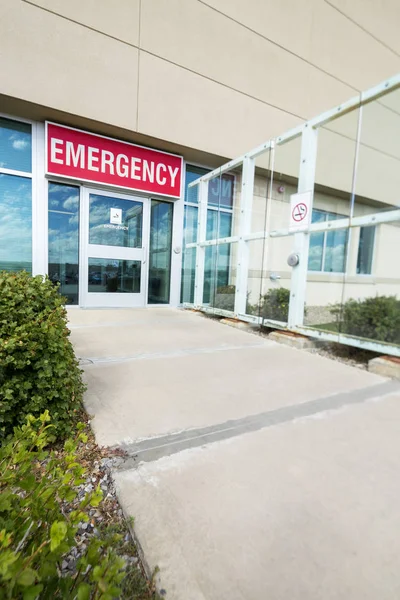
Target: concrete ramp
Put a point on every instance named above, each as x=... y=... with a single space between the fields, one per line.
x=254 y=470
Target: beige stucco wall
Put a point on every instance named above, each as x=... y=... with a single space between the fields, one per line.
x=220 y=76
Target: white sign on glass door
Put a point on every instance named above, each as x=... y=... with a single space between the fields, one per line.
x=116 y=216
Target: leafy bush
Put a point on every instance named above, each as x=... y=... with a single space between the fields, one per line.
x=38 y=526
x=38 y=368
x=275 y=304
x=376 y=318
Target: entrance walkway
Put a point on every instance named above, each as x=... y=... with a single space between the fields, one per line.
x=255 y=470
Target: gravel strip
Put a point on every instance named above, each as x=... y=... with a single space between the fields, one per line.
x=108 y=517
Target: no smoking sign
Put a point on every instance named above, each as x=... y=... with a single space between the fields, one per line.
x=300 y=208
x=299 y=212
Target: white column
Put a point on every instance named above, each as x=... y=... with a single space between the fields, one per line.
x=176 y=250
x=246 y=202
x=39 y=203
x=301 y=240
x=201 y=237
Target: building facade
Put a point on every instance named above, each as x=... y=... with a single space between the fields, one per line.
x=109 y=109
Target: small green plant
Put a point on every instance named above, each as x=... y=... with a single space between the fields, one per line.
x=274 y=305
x=38 y=527
x=38 y=368
x=377 y=318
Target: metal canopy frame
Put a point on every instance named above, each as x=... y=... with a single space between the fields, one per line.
x=308 y=132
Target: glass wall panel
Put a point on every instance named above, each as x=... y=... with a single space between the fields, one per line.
x=330 y=252
x=269 y=276
x=221 y=191
x=223 y=211
x=115 y=222
x=190 y=233
x=220 y=281
x=255 y=277
x=63 y=267
x=216 y=270
x=15 y=223
x=377 y=181
x=160 y=252
x=15 y=145
x=189 y=254
x=261 y=192
x=109 y=275
x=365 y=253
x=370 y=307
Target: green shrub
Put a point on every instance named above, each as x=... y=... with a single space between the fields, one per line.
x=38 y=528
x=275 y=304
x=377 y=318
x=38 y=368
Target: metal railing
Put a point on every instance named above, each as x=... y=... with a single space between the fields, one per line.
x=309 y=194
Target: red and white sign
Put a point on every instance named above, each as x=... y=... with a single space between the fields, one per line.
x=300 y=210
x=90 y=157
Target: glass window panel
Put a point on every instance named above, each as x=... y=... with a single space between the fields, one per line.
x=15 y=223
x=365 y=250
x=190 y=226
x=160 y=252
x=221 y=191
x=333 y=244
x=192 y=173
x=212 y=224
x=335 y=251
x=216 y=270
x=335 y=216
x=109 y=275
x=15 y=145
x=115 y=222
x=318 y=216
x=216 y=275
x=64 y=239
x=224 y=225
x=316 y=251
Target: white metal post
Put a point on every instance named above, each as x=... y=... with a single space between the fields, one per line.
x=177 y=241
x=301 y=240
x=39 y=203
x=246 y=202
x=201 y=237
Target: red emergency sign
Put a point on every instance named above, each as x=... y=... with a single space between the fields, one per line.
x=94 y=158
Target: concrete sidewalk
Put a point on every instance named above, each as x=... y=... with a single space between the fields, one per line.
x=255 y=470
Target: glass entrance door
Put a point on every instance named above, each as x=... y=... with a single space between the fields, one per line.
x=113 y=249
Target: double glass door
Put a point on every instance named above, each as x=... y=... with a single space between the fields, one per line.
x=115 y=231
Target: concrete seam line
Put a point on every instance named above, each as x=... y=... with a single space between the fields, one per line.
x=175 y=354
x=164 y=59
x=151 y=449
x=357 y=24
